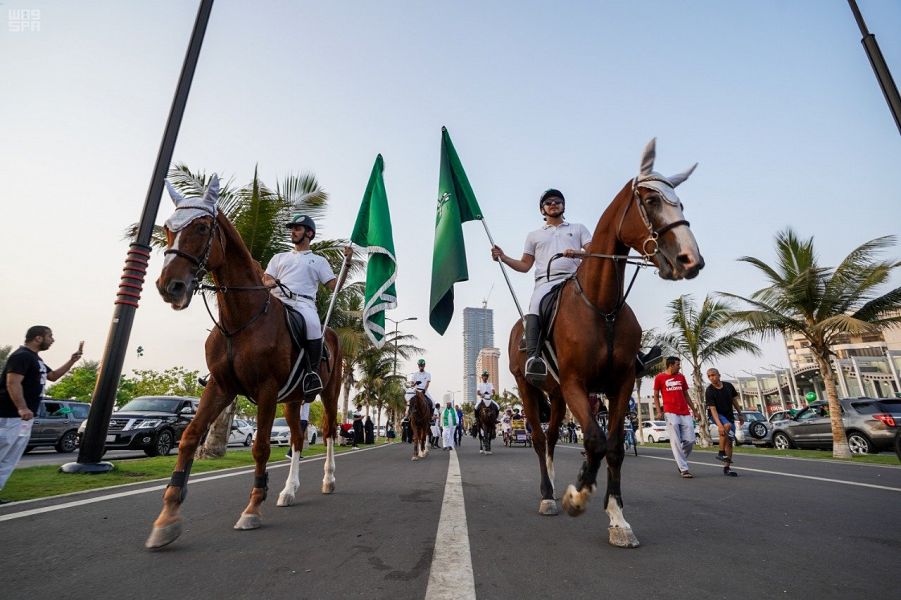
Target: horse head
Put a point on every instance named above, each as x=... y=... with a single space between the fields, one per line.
x=190 y=253
x=657 y=227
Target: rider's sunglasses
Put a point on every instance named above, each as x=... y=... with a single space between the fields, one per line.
x=552 y=201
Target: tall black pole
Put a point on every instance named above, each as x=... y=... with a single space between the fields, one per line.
x=132 y=280
x=883 y=75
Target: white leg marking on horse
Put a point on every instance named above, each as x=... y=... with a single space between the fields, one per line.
x=450 y=575
x=286 y=498
x=575 y=502
x=328 y=478
x=549 y=461
x=620 y=532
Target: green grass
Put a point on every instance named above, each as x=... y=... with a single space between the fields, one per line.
x=46 y=480
x=875 y=459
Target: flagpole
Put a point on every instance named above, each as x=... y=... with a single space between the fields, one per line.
x=331 y=304
x=503 y=270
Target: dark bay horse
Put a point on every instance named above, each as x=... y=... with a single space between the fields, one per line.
x=420 y=422
x=486 y=422
x=646 y=215
x=249 y=352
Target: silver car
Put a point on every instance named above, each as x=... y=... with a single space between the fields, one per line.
x=870 y=424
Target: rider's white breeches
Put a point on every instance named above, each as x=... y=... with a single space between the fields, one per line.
x=540 y=291
x=310 y=317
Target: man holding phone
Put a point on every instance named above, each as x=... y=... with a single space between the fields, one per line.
x=21 y=388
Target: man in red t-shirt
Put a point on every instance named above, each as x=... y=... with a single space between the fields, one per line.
x=680 y=428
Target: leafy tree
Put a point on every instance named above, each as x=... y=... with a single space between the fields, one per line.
x=174 y=381
x=701 y=336
x=77 y=384
x=5 y=351
x=822 y=303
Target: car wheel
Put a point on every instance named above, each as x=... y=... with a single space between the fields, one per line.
x=248 y=440
x=651 y=439
x=757 y=430
x=859 y=443
x=161 y=445
x=67 y=442
x=782 y=442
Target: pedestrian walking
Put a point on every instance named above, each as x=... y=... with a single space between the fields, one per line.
x=721 y=398
x=458 y=431
x=21 y=388
x=671 y=384
x=369 y=430
x=358 y=426
x=449 y=422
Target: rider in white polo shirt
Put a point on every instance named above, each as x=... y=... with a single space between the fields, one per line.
x=294 y=278
x=486 y=391
x=556 y=237
x=421 y=380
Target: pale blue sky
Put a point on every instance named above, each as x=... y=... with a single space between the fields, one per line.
x=776 y=100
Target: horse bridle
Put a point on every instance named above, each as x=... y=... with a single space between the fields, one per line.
x=653 y=234
x=201 y=271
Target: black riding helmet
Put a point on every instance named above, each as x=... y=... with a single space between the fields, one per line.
x=551 y=193
x=305 y=221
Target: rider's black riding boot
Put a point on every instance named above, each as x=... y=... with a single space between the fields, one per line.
x=643 y=362
x=536 y=369
x=312 y=383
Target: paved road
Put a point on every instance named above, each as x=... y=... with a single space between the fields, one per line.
x=786 y=528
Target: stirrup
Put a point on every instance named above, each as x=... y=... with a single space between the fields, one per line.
x=536 y=370
x=643 y=362
x=312 y=386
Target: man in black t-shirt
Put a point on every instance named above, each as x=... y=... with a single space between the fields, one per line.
x=21 y=387
x=721 y=398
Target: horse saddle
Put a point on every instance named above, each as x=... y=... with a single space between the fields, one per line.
x=298 y=330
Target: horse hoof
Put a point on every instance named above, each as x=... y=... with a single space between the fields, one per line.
x=415 y=458
x=328 y=487
x=574 y=502
x=622 y=537
x=488 y=452
x=285 y=499
x=161 y=536
x=548 y=508
x=481 y=452
x=249 y=521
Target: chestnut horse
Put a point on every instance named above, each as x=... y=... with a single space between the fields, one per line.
x=486 y=422
x=249 y=352
x=646 y=215
x=420 y=423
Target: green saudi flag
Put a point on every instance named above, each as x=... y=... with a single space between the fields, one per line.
x=373 y=231
x=456 y=205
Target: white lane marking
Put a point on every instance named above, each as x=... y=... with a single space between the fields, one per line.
x=826 y=479
x=450 y=575
x=201 y=478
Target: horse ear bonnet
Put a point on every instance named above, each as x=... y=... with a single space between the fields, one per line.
x=188 y=209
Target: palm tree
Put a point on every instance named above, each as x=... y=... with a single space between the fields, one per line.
x=822 y=303
x=259 y=215
x=701 y=336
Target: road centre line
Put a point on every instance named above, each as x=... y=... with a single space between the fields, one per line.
x=450 y=574
x=201 y=478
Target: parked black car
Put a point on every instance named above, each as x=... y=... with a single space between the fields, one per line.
x=56 y=424
x=153 y=424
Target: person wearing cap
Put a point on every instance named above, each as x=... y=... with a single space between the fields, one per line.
x=295 y=277
x=557 y=236
x=420 y=380
x=485 y=391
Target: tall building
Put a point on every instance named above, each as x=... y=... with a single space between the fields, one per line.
x=478 y=333
x=487 y=361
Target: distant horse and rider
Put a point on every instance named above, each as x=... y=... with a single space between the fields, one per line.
x=420 y=422
x=486 y=425
x=590 y=339
x=251 y=351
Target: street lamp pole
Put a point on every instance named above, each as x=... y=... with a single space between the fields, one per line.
x=396 y=323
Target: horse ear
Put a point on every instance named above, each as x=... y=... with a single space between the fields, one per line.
x=177 y=198
x=677 y=179
x=211 y=195
x=647 y=158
